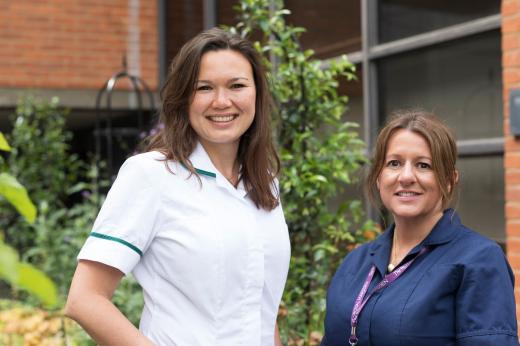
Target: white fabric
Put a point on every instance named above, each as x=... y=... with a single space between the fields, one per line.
x=213 y=266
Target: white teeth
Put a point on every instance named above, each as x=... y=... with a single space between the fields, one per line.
x=221 y=119
x=407 y=194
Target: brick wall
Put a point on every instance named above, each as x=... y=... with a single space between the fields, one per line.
x=76 y=44
x=511 y=80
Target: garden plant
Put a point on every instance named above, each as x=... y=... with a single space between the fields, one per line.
x=65 y=190
x=320 y=153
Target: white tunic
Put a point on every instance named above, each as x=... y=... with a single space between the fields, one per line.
x=212 y=266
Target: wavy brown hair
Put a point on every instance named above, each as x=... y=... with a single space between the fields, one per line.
x=442 y=145
x=176 y=139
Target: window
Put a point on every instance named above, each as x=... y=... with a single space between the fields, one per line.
x=333 y=26
x=461 y=81
x=402 y=18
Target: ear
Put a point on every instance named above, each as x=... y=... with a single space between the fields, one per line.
x=377 y=183
x=455 y=180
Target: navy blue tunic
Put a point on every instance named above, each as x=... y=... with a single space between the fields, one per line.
x=458 y=293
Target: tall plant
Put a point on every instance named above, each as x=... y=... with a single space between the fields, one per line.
x=41 y=161
x=320 y=154
x=20 y=274
x=65 y=188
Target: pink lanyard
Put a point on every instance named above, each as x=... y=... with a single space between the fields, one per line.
x=361 y=300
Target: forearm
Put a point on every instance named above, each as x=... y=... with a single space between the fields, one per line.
x=104 y=322
x=277 y=340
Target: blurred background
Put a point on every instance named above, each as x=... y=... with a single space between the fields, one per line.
x=105 y=62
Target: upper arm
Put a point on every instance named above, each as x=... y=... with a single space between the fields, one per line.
x=126 y=223
x=485 y=302
x=92 y=278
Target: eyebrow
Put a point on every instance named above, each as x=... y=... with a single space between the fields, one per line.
x=399 y=156
x=229 y=81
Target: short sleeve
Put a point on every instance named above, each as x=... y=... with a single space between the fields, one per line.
x=125 y=224
x=485 y=305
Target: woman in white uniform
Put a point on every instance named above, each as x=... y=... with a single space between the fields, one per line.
x=196 y=219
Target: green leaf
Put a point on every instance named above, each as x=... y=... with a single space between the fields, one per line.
x=8 y=263
x=24 y=276
x=16 y=194
x=3 y=143
x=37 y=283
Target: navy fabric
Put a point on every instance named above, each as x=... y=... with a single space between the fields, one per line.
x=458 y=293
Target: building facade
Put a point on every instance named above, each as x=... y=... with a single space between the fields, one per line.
x=459 y=59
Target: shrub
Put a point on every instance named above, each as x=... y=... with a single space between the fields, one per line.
x=320 y=154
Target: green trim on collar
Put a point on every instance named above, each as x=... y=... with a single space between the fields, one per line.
x=209 y=174
x=201 y=171
x=118 y=240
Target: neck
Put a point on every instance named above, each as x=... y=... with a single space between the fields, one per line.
x=409 y=233
x=224 y=158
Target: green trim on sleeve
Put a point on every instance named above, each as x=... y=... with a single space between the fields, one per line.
x=121 y=241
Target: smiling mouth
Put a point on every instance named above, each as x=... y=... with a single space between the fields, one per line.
x=222 y=118
x=407 y=194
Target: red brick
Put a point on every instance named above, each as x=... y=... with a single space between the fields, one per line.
x=510 y=41
x=511 y=76
x=513 y=230
x=511 y=160
x=512 y=176
x=59 y=44
x=513 y=193
x=512 y=210
x=513 y=246
x=510 y=8
x=512 y=144
x=510 y=24
x=511 y=58
x=514 y=261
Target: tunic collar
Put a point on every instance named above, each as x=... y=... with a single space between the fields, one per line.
x=201 y=161
x=443 y=232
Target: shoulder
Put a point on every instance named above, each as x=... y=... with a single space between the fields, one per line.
x=475 y=245
x=479 y=256
x=143 y=171
x=145 y=160
x=150 y=165
x=356 y=258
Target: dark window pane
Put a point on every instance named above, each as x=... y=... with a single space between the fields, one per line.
x=184 y=20
x=481 y=203
x=226 y=14
x=354 y=91
x=402 y=18
x=333 y=26
x=460 y=81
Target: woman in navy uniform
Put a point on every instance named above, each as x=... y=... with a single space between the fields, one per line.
x=428 y=279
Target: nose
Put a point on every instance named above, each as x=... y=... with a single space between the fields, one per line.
x=407 y=174
x=221 y=99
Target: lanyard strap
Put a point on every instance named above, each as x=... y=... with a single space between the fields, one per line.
x=361 y=300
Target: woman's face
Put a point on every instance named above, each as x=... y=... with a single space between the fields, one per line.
x=223 y=103
x=407 y=184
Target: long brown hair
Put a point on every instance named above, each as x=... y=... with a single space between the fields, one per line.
x=442 y=146
x=176 y=139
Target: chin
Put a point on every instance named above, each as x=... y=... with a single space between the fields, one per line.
x=407 y=213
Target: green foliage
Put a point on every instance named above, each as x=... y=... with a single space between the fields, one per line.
x=320 y=154
x=66 y=190
x=19 y=274
x=3 y=143
x=16 y=194
x=41 y=162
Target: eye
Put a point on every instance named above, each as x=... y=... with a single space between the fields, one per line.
x=237 y=85
x=203 y=88
x=393 y=163
x=424 y=165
